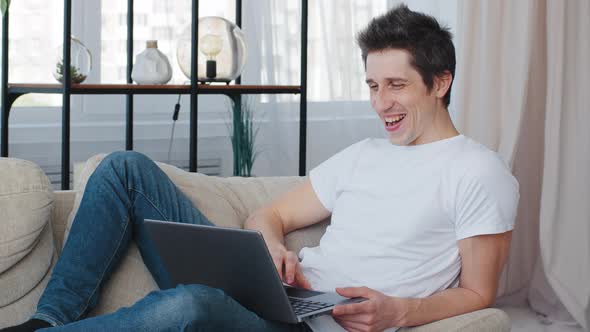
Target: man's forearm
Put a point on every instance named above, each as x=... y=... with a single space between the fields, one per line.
x=266 y=223
x=448 y=303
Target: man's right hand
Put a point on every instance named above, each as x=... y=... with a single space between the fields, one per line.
x=287 y=264
x=295 y=209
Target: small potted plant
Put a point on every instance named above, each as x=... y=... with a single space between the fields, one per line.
x=243 y=137
x=80 y=62
x=75 y=75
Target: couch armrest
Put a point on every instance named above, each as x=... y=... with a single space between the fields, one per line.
x=485 y=320
x=63 y=203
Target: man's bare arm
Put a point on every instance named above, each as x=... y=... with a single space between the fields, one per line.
x=482 y=260
x=297 y=208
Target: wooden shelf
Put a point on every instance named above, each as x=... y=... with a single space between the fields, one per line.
x=124 y=89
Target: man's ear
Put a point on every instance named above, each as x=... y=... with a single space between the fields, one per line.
x=442 y=83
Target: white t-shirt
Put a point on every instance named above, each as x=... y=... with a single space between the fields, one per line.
x=398 y=212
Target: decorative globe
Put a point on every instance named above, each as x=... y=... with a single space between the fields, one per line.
x=80 y=62
x=221 y=50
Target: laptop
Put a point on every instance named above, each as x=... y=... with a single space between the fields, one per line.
x=238 y=262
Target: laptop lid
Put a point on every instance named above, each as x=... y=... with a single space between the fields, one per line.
x=198 y=254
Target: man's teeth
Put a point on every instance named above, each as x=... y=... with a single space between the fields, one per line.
x=391 y=120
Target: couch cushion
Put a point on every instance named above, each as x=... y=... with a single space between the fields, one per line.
x=22 y=309
x=17 y=281
x=26 y=240
x=226 y=202
x=485 y=320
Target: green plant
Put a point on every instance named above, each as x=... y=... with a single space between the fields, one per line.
x=75 y=74
x=4 y=4
x=243 y=137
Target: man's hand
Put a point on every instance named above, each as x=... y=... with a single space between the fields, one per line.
x=287 y=264
x=377 y=313
x=298 y=208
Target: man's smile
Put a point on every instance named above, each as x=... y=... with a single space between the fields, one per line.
x=393 y=122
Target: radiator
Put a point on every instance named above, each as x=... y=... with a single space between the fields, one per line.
x=211 y=166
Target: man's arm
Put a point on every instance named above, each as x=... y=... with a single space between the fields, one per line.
x=482 y=260
x=297 y=208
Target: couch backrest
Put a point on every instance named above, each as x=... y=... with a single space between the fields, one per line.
x=228 y=202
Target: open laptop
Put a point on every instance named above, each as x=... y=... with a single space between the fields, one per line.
x=238 y=262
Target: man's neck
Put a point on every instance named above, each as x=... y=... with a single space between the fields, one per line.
x=442 y=128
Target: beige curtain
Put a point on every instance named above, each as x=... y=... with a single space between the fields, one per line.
x=524 y=91
x=565 y=203
x=495 y=62
x=493 y=68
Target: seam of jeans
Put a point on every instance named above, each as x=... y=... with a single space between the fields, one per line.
x=101 y=278
x=49 y=319
x=164 y=216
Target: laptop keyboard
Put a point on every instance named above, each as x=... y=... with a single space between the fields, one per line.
x=302 y=307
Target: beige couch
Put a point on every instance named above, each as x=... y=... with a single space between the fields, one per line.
x=34 y=221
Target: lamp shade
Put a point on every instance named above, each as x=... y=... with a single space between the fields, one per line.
x=221 y=50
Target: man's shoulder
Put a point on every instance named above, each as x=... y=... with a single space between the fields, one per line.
x=476 y=160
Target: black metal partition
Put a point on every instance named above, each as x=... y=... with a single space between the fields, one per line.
x=129 y=97
x=10 y=92
x=66 y=90
x=4 y=88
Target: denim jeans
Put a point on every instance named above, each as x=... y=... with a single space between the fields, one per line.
x=125 y=189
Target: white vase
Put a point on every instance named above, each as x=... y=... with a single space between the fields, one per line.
x=151 y=66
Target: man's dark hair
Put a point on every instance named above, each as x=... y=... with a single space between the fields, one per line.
x=429 y=43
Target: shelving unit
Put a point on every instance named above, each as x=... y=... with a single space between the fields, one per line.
x=11 y=92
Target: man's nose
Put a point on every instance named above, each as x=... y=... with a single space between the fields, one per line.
x=382 y=101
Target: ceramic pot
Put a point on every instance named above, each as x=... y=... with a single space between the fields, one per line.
x=151 y=66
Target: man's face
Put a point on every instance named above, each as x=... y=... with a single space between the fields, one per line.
x=400 y=97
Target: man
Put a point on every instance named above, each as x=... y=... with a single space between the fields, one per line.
x=421 y=222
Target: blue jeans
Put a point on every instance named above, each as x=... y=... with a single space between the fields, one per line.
x=125 y=189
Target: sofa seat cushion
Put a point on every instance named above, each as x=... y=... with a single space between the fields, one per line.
x=26 y=239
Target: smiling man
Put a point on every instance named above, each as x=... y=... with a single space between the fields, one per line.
x=421 y=221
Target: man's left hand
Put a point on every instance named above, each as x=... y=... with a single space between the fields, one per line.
x=377 y=313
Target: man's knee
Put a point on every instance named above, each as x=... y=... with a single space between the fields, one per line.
x=127 y=158
x=194 y=299
x=125 y=163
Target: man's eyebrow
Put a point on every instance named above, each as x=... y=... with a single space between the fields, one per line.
x=390 y=79
x=396 y=79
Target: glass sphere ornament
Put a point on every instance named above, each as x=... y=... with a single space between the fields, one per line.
x=80 y=62
x=221 y=50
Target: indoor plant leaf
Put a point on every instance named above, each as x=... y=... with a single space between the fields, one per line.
x=4 y=6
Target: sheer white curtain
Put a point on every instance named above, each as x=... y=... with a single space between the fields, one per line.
x=339 y=112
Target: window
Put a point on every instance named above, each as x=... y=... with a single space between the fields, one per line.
x=34 y=38
x=335 y=70
x=163 y=20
